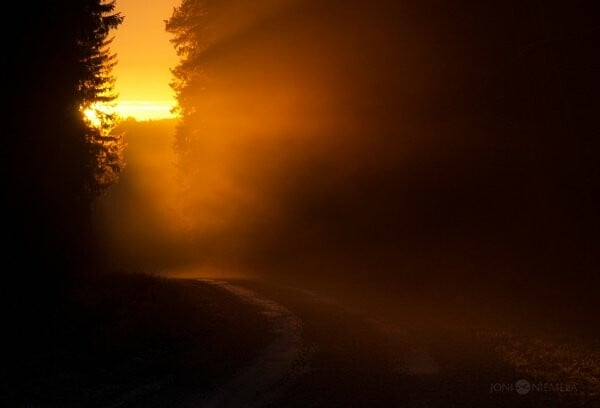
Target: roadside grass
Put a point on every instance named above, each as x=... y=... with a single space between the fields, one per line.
x=133 y=339
x=565 y=365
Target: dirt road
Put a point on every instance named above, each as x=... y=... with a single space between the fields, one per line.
x=327 y=354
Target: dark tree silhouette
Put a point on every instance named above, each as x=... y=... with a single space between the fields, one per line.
x=54 y=162
x=56 y=64
x=96 y=93
x=191 y=37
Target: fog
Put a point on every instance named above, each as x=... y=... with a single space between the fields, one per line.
x=431 y=155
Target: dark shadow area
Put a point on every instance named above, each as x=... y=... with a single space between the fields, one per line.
x=124 y=339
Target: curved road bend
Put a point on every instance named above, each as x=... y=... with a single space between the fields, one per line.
x=325 y=354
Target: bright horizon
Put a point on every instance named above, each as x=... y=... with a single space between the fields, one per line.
x=144 y=59
x=142 y=110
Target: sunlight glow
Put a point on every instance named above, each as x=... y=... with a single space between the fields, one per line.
x=145 y=58
x=146 y=110
x=94 y=113
x=92 y=117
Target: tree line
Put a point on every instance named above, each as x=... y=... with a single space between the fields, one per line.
x=476 y=126
x=58 y=153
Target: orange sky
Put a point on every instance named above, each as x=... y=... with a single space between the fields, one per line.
x=145 y=57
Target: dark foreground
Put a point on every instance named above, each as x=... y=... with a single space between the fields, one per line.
x=357 y=360
x=150 y=342
x=129 y=340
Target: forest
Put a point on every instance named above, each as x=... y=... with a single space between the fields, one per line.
x=357 y=204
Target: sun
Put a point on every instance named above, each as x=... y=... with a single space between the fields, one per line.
x=98 y=114
x=92 y=117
